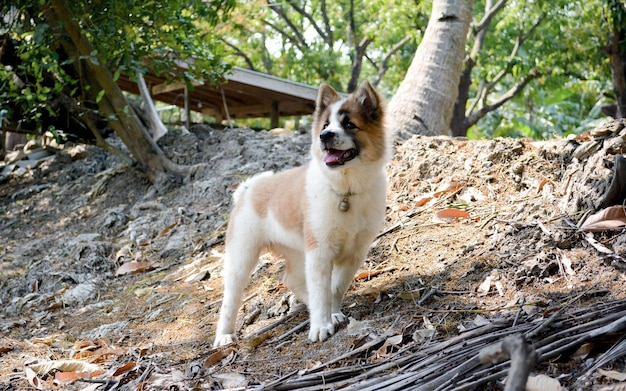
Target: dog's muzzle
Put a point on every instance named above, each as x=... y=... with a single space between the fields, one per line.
x=334 y=156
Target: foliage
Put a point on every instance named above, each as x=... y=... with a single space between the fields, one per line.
x=565 y=50
x=313 y=41
x=128 y=37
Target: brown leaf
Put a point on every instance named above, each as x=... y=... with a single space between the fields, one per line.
x=367 y=274
x=217 y=356
x=448 y=187
x=450 y=215
x=423 y=201
x=129 y=366
x=134 y=267
x=167 y=229
x=61 y=378
x=606 y=219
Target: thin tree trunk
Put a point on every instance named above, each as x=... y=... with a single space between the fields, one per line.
x=126 y=124
x=424 y=101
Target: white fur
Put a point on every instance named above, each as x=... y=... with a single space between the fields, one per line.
x=320 y=275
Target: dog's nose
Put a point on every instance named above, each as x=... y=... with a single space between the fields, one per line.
x=327 y=135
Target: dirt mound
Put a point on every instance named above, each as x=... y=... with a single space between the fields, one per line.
x=476 y=232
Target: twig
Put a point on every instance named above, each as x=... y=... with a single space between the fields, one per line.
x=276 y=323
x=523 y=358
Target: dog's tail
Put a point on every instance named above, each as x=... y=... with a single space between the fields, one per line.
x=245 y=185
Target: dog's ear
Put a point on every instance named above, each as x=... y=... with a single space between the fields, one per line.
x=368 y=98
x=325 y=97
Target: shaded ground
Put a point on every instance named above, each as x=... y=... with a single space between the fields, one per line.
x=67 y=226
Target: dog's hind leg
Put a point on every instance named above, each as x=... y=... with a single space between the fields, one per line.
x=242 y=255
x=295 y=277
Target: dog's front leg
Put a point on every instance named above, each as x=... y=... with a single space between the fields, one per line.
x=318 y=279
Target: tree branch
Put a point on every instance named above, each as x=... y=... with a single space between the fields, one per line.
x=329 y=30
x=384 y=65
x=357 y=63
x=473 y=118
x=299 y=38
x=317 y=28
x=240 y=53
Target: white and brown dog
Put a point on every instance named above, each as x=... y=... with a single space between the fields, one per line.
x=320 y=217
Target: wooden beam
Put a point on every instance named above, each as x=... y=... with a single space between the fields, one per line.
x=274 y=115
x=164 y=88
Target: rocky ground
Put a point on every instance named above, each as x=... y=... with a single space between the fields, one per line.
x=101 y=274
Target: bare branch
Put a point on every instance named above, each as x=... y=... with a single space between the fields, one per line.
x=473 y=118
x=483 y=26
x=311 y=20
x=357 y=63
x=240 y=53
x=384 y=66
x=299 y=38
x=489 y=14
x=329 y=30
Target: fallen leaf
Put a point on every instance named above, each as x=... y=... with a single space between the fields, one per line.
x=217 y=356
x=485 y=286
x=448 y=187
x=32 y=378
x=44 y=367
x=450 y=215
x=134 y=267
x=567 y=265
x=129 y=366
x=167 y=229
x=61 y=378
x=423 y=200
x=543 y=383
x=367 y=274
x=231 y=380
x=615 y=375
x=606 y=219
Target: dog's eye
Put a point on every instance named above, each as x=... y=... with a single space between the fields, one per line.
x=326 y=124
x=350 y=126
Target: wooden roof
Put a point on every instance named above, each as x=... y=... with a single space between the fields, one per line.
x=247 y=94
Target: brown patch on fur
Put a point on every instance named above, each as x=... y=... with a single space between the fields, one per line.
x=283 y=195
x=369 y=121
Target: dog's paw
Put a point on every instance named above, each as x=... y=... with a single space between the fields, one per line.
x=223 y=339
x=321 y=332
x=338 y=317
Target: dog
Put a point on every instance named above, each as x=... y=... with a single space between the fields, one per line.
x=321 y=217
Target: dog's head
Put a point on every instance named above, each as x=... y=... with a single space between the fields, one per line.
x=349 y=130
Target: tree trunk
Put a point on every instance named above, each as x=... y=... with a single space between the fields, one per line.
x=616 y=59
x=126 y=124
x=424 y=101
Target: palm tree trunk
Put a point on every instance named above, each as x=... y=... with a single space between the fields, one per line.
x=425 y=99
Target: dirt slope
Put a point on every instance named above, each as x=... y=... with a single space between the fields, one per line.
x=68 y=226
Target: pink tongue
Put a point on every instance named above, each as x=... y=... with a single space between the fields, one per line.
x=333 y=157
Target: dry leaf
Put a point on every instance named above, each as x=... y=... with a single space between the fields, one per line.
x=485 y=286
x=543 y=383
x=448 y=187
x=167 y=229
x=32 y=378
x=61 y=378
x=44 y=367
x=606 y=219
x=367 y=274
x=231 y=380
x=567 y=265
x=129 y=366
x=450 y=215
x=134 y=267
x=423 y=200
x=615 y=375
x=217 y=356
